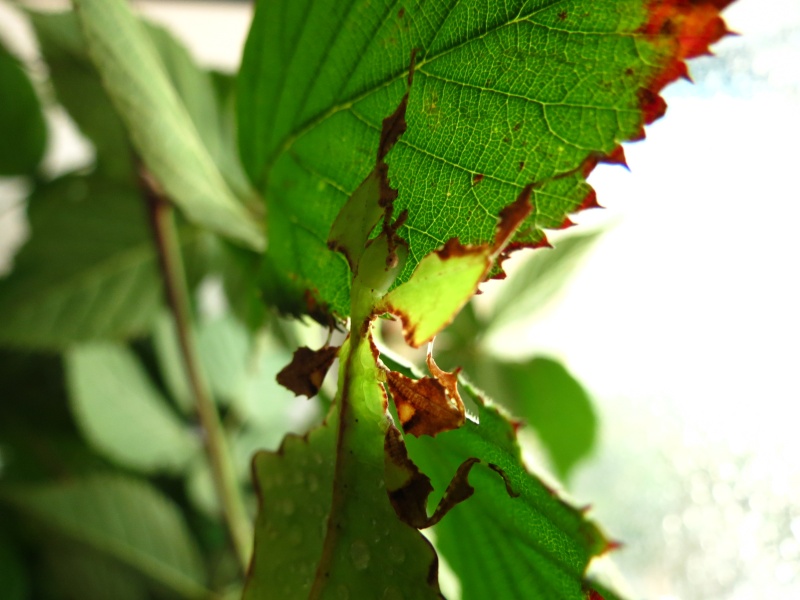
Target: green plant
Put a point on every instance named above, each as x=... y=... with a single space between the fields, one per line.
x=369 y=160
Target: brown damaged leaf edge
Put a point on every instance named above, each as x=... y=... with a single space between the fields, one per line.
x=409 y=488
x=684 y=29
x=392 y=127
x=509 y=220
x=429 y=405
x=306 y=372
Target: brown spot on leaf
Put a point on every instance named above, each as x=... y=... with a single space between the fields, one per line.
x=429 y=405
x=401 y=13
x=562 y=15
x=306 y=372
x=477 y=178
x=521 y=165
x=652 y=104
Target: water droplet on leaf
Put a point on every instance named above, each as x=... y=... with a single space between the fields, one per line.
x=397 y=554
x=295 y=538
x=359 y=553
x=392 y=593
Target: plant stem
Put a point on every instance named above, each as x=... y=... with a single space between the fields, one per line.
x=222 y=470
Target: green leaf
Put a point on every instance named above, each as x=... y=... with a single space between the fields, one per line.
x=528 y=545
x=311 y=543
x=223 y=345
x=294 y=488
x=80 y=90
x=89 y=270
x=159 y=123
x=502 y=97
x=81 y=93
x=123 y=518
x=79 y=572
x=207 y=100
x=22 y=126
x=548 y=398
x=13 y=575
x=122 y=414
x=445 y=280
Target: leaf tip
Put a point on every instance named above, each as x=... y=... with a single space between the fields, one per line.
x=683 y=29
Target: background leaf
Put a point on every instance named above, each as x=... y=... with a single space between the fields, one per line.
x=549 y=399
x=82 y=574
x=79 y=90
x=124 y=518
x=538 y=280
x=223 y=345
x=170 y=361
x=503 y=96
x=158 y=121
x=207 y=99
x=89 y=270
x=122 y=414
x=13 y=574
x=22 y=126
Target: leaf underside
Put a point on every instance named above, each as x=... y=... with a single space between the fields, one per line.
x=89 y=270
x=326 y=528
x=503 y=96
x=123 y=518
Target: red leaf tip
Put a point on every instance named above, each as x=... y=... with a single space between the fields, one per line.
x=683 y=29
x=616 y=157
x=590 y=201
